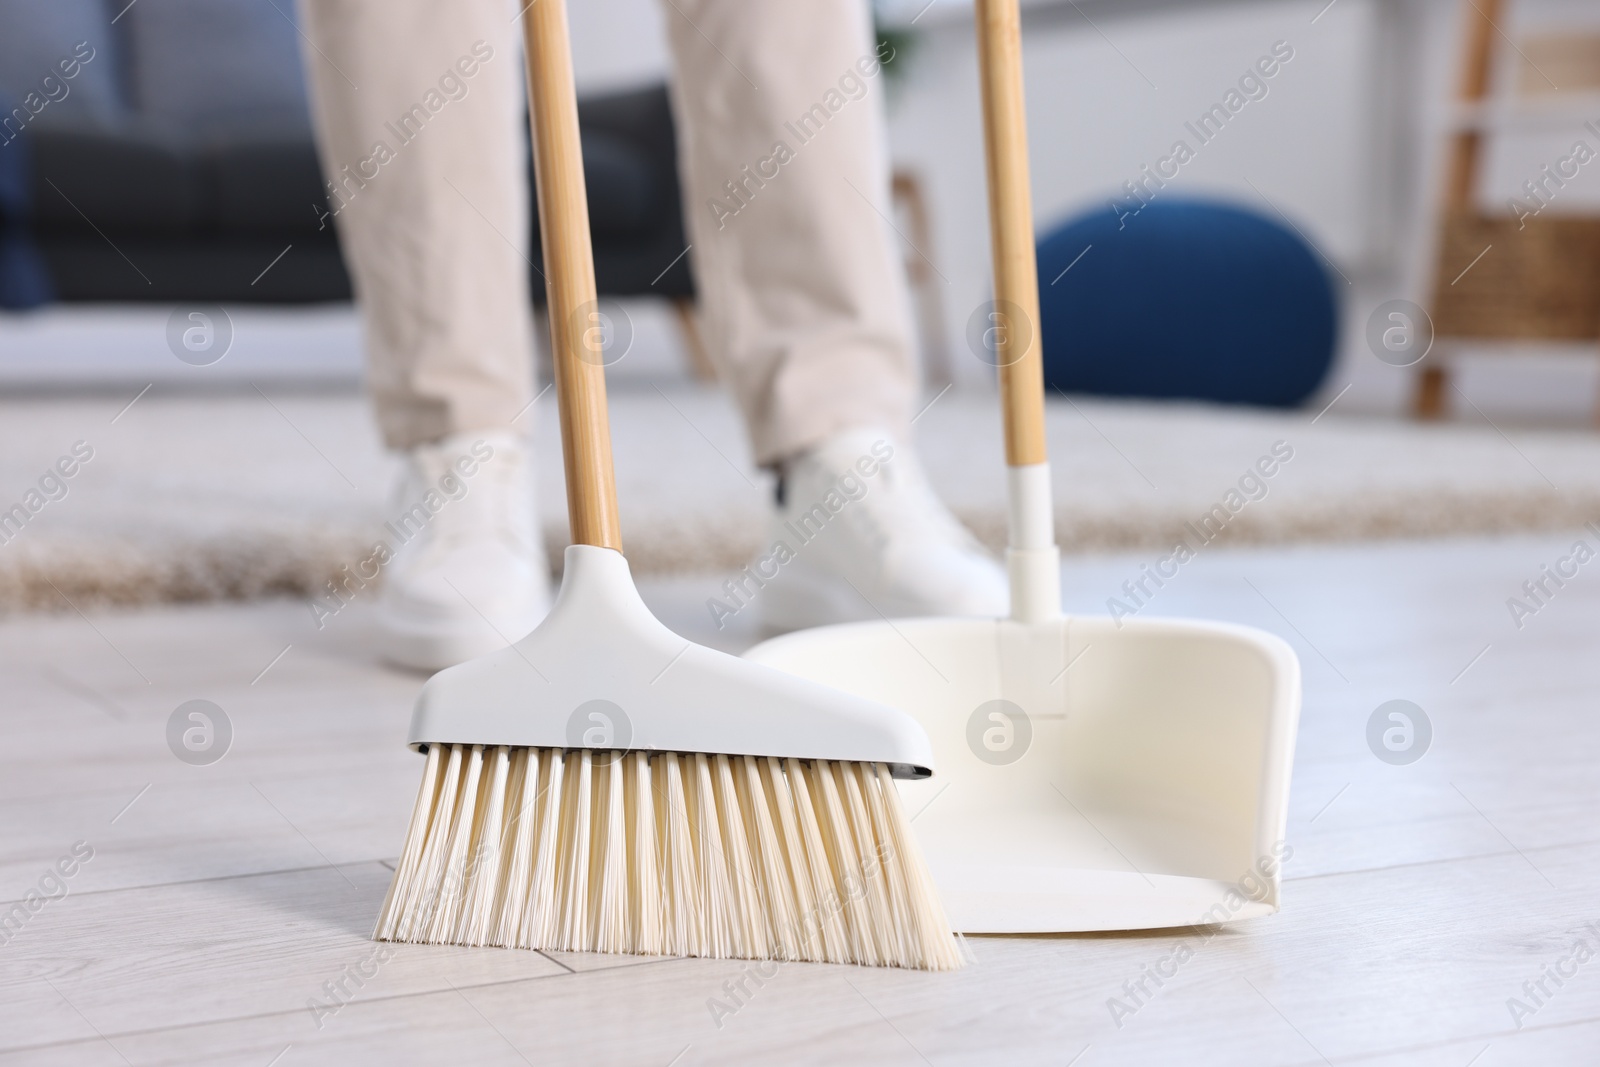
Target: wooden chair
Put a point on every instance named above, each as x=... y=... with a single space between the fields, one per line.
x=1499 y=276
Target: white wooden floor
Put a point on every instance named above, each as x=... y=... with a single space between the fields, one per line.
x=222 y=900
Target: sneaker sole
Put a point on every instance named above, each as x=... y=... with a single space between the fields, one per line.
x=433 y=648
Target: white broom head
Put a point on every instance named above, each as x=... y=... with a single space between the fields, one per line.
x=604 y=785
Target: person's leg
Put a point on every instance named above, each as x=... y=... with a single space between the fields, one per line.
x=419 y=120
x=418 y=112
x=800 y=286
x=803 y=295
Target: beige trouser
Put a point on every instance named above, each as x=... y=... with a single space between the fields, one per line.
x=801 y=290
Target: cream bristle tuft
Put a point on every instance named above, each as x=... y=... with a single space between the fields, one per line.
x=665 y=854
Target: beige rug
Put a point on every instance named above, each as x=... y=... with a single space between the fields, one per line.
x=197 y=497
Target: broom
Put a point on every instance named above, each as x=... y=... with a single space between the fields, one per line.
x=604 y=785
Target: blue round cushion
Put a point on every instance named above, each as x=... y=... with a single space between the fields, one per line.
x=1185 y=299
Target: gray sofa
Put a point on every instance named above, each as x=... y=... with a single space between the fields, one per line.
x=162 y=151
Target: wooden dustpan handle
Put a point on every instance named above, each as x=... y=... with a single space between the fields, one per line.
x=569 y=259
x=569 y=278
x=1016 y=277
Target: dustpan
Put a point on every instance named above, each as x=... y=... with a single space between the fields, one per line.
x=1095 y=773
x=1092 y=777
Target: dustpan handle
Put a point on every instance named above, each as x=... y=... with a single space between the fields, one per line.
x=1016 y=279
x=1032 y=560
x=575 y=334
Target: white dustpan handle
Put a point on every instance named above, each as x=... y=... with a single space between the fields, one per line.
x=1031 y=558
x=1033 y=562
x=575 y=332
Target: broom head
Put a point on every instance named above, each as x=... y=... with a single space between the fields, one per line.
x=604 y=785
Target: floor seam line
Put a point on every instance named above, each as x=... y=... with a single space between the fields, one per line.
x=369 y=1000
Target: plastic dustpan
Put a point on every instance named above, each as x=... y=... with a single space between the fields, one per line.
x=1095 y=773
x=1092 y=777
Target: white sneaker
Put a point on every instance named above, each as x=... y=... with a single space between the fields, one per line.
x=861 y=535
x=469 y=574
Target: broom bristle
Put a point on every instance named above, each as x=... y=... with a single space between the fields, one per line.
x=665 y=854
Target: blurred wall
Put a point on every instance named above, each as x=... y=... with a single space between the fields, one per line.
x=1346 y=143
x=1110 y=87
x=618 y=44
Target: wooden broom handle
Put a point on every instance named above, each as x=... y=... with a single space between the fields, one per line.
x=1016 y=277
x=569 y=278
